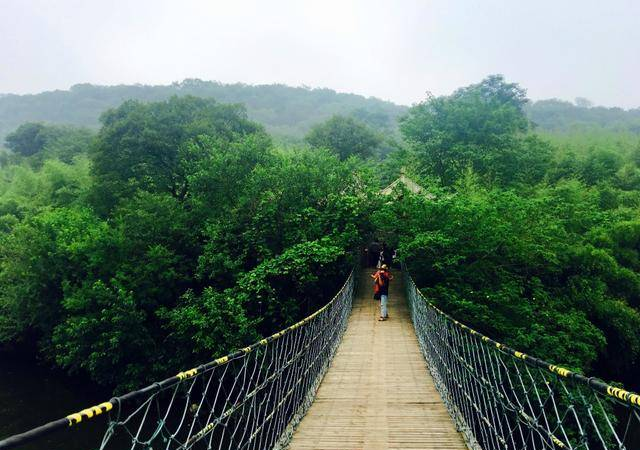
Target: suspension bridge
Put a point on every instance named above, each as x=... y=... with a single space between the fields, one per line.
x=339 y=379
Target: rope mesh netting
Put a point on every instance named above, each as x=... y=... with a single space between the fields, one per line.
x=504 y=399
x=250 y=399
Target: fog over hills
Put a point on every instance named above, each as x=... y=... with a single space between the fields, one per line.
x=287 y=112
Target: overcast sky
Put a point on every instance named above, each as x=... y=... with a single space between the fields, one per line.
x=395 y=50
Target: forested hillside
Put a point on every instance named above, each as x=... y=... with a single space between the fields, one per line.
x=178 y=230
x=562 y=116
x=285 y=111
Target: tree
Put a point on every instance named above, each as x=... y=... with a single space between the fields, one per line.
x=295 y=283
x=628 y=177
x=600 y=164
x=38 y=142
x=25 y=190
x=469 y=128
x=345 y=136
x=41 y=256
x=582 y=102
x=492 y=259
x=171 y=277
x=296 y=197
x=563 y=116
x=28 y=139
x=139 y=145
x=104 y=328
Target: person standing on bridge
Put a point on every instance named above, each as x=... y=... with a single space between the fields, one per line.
x=381 y=289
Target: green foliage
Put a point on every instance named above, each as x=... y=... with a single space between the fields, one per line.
x=140 y=146
x=296 y=197
x=469 y=275
x=550 y=273
x=41 y=256
x=296 y=283
x=561 y=116
x=104 y=330
x=206 y=238
x=531 y=238
x=287 y=112
x=181 y=232
x=215 y=172
x=24 y=190
x=38 y=142
x=596 y=158
x=479 y=126
x=28 y=139
x=344 y=136
x=208 y=324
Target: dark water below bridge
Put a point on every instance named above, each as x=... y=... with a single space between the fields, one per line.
x=31 y=395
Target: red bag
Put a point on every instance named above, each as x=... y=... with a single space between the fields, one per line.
x=376 y=287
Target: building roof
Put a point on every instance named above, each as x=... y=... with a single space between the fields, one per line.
x=408 y=184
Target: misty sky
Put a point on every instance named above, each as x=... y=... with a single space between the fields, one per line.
x=395 y=50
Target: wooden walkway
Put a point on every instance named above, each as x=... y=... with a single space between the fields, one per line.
x=377 y=393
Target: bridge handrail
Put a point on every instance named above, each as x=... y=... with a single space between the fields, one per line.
x=344 y=295
x=629 y=397
x=501 y=398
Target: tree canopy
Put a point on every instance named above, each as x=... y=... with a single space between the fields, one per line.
x=180 y=234
x=529 y=238
x=40 y=142
x=481 y=126
x=345 y=136
x=148 y=146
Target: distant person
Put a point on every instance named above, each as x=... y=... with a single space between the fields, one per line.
x=381 y=289
x=386 y=255
x=364 y=256
x=383 y=252
x=374 y=254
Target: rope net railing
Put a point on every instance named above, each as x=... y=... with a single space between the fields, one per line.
x=501 y=398
x=249 y=399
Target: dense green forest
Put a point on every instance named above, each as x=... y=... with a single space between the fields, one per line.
x=179 y=229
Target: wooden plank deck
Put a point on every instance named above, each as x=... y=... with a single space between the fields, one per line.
x=377 y=394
